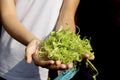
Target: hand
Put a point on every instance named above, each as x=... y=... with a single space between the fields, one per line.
x=31 y=53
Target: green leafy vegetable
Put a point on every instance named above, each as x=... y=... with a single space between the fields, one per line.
x=65 y=46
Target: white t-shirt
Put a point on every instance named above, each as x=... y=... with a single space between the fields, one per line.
x=38 y=16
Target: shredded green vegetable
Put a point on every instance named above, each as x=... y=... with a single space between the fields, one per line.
x=65 y=46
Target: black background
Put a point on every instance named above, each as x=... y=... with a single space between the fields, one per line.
x=100 y=20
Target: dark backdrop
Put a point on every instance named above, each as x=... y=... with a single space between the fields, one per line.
x=100 y=20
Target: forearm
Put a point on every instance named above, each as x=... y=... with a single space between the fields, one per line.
x=11 y=23
x=67 y=15
x=17 y=30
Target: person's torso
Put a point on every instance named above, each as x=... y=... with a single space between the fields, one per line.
x=38 y=16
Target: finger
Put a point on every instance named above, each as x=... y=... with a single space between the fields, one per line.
x=28 y=56
x=61 y=66
x=85 y=56
x=30 y=50
x=50 y=62
x=57 y=62
x=57 y=67
x=88 y=56
x=70 y=65
x=44 y=63
x=92 y=57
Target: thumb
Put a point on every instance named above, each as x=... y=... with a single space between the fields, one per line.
x=28 y=55
x=30 y=50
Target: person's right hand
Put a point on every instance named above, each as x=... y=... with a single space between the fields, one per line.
x=31 y=53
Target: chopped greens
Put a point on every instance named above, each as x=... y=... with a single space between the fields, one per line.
x=65 y=46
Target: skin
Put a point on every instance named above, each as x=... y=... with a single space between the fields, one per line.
x=18 y=31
